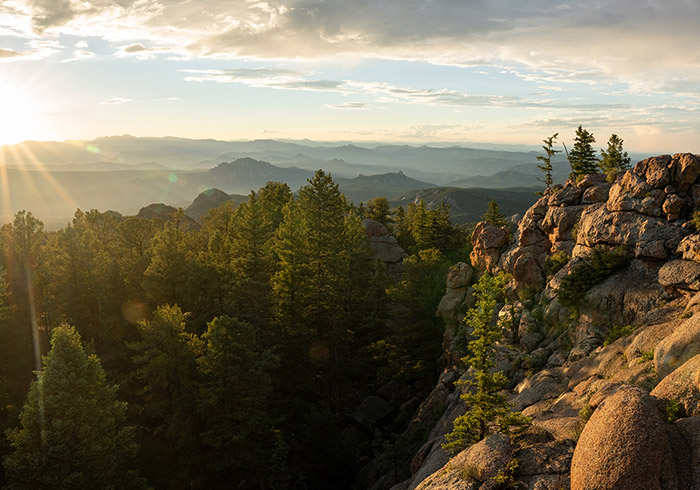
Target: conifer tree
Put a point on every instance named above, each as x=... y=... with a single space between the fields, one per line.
x=582 y=155
x=324 y=256
x=614 y=159
x=378 y=210
x=493 y=215
x=485 y=405
x=72 y=433
x=166 y=362
x=546 y=159
x=238 y=431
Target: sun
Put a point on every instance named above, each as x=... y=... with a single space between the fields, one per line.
x=21 y=114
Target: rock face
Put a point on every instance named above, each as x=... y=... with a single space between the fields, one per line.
x=488 y=242
x=384 y=246
x=458 y=297
x=682 y=386
x=565 y=363
x=624 y=446
x=474 y=466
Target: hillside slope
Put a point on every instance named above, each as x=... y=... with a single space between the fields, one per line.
x=605 y=366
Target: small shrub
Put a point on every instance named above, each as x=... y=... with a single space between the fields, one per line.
x=506 y=476
x=591 y=270
x=696 y=220
x=671 y=410
x=470 y=472
x=555 y=262
x=646 y=355
x=574 y=231
x=617 y=332
x=686 y=314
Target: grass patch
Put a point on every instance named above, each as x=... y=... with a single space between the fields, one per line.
x=617 y=332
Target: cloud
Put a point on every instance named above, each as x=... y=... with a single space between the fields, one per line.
x=642 y=44
x=80 y=54
x=8 y=53
x=116 y=100
x=135 y=48
x=82 y=44
x=383 y=92
x=347 y=105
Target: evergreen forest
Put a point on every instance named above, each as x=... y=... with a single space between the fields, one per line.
x=158 y=353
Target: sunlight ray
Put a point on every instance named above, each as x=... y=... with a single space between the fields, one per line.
x=46 y=173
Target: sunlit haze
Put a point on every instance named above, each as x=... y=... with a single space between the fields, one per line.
x=338 y=70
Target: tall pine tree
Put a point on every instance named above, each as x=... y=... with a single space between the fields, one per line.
x=73 y=434
x=582 y=155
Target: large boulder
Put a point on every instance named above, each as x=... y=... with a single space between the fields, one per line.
x=656 y=171
x=682 y=386
x=489 y=242
x=687 y=170
x=632 y=193
x=625 y=446
x=683 y=344
x=384 y=245
x=680 y=274
x=473 y=466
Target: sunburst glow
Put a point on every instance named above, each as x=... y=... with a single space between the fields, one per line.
x=22 y=113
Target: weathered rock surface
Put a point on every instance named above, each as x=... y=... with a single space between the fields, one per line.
x=682 y=386
x=625 y=446
x=680 y=274
x=679 y=347
x=555 y=357
x=471 y=468
x=384 y=245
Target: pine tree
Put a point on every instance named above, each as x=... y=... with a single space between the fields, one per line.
x=493 y=215
x=582 y=155
x=614 y=159
x=73 y=434
x=238 y=432
x=485 y=405
x=546 y=159
x=166 y=370
x=378 y=210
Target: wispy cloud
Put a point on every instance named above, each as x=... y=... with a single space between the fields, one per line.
x=347 y=105
x=381 y=91
x=116 y=100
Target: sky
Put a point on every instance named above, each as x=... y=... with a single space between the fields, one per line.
x=407 y=71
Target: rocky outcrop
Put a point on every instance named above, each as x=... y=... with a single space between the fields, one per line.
x=488 y=243
x=682 y=386
x=384 y=246
x=458 y=297
x=564 y=363
x=625 y=446
x=473 y=468
x=679 y=347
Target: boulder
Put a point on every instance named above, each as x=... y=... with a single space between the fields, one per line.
x=673 y=207
x=384 y=245
x=682 y=386
x=687 y=170
x=488 y=242
x=683 y=344
x=680 y=274
x=689 y=429
x=476 y=464
x=559 y=221
x=656 y=171
x=527 y=273
x=569 y=195
x=597 y=193
x=632 y=193
x=625 y=446
x=689 y=247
